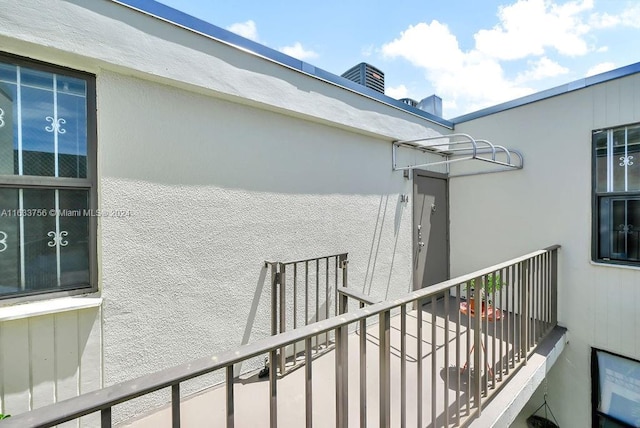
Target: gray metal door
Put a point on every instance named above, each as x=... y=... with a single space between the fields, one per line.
x=430 y=229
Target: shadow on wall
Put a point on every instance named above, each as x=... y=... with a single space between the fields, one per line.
x=376 y=241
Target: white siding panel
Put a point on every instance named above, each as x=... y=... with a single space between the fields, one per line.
x=48 y=358
x=89 y=339
x=67 y=358
x=41 y=334
x=15 y=366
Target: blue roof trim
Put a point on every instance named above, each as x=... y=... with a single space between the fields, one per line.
x=174 y=16
x=558 y=90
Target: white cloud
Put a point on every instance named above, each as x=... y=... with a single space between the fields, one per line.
x=630 y=17
x=529 y=27
x=246 y=29
x=456 y=75
x=298 y=51
x=602 y=49
x=397 y=92
x=541 y=69
x=600 y=68
x=530 y=30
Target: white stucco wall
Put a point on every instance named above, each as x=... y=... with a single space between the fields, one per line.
x=223 y=160
x=549 y=202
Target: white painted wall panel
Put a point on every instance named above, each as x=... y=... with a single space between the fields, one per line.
x=40 y=364
x=550 y=202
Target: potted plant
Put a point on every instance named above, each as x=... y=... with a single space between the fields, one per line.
x=490 y=283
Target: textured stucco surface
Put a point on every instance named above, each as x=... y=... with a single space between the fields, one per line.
x=549 y=202
x=214 y=190
x=223 y=160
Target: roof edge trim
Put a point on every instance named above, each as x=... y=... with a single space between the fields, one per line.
x=199 y=26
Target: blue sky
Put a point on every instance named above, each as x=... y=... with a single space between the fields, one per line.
x=471 y=53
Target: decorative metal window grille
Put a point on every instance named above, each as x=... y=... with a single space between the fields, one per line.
x=617 y=195
x=47 y=178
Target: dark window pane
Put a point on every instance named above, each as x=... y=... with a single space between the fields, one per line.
x=9 y=242
x=601 y=160
x=38 y=129
x=53 y=251
x=39 y=256
x=74 y=256
x=8 y=129
x=619 y=160
x=72 y=143
x=633 y=152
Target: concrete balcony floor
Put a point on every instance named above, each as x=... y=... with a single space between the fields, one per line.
x=207 y=409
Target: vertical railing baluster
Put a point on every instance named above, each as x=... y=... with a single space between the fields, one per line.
x=175 y=405
x=308 y=383
x=283 y=315
x=335 y=309
x=534 y=324
x=105 y=418
x=363 y=371
x=306 y=292
x=403 y=366
x=458 y=385
x=508 y=309
x=494 y=324
x=274 y=300
x=484 y=317
x=326 y=299
x=342 y=374
x=554 y=286
x=477 y=344
x=501 y=309
x=419 y=362
x=446 y=357
x=385 y=368
x=434 y=350
x=295 y=310
x=273 y=390
x=317 y=296
x=229 y=396
x=469 y=348
x=539 y=297
x=524 y=329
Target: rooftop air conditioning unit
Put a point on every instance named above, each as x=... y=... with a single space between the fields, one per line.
x=366 y=75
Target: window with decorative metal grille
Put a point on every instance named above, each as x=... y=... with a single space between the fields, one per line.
x=47 y=179
x=616 y=195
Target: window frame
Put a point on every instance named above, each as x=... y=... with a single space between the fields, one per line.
x=597 y=196
x=63 y=183
x=595 y=389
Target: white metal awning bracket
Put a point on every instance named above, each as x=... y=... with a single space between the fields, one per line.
x=460 y=148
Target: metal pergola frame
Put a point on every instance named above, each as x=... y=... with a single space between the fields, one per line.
x=459 y=148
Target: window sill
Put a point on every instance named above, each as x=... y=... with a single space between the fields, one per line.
x=615 y=265
x=48 y=307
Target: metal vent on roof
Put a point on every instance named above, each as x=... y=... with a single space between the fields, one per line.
x=455 y=148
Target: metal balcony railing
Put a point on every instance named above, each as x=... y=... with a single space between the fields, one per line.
x=500 y=333
x=302 y=293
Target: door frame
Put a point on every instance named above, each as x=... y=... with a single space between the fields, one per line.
x=414 y=242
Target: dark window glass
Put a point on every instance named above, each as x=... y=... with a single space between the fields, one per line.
x=617 y=194
x=45 y=225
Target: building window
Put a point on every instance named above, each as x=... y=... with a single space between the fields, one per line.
x=47 y=179
x=617 y=195
x=615 y=392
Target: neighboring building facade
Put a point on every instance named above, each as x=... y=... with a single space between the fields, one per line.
x=205 y=160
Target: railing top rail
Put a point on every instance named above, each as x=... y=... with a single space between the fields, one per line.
x=94 y=401
x=357 y=295
x=290 y=262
